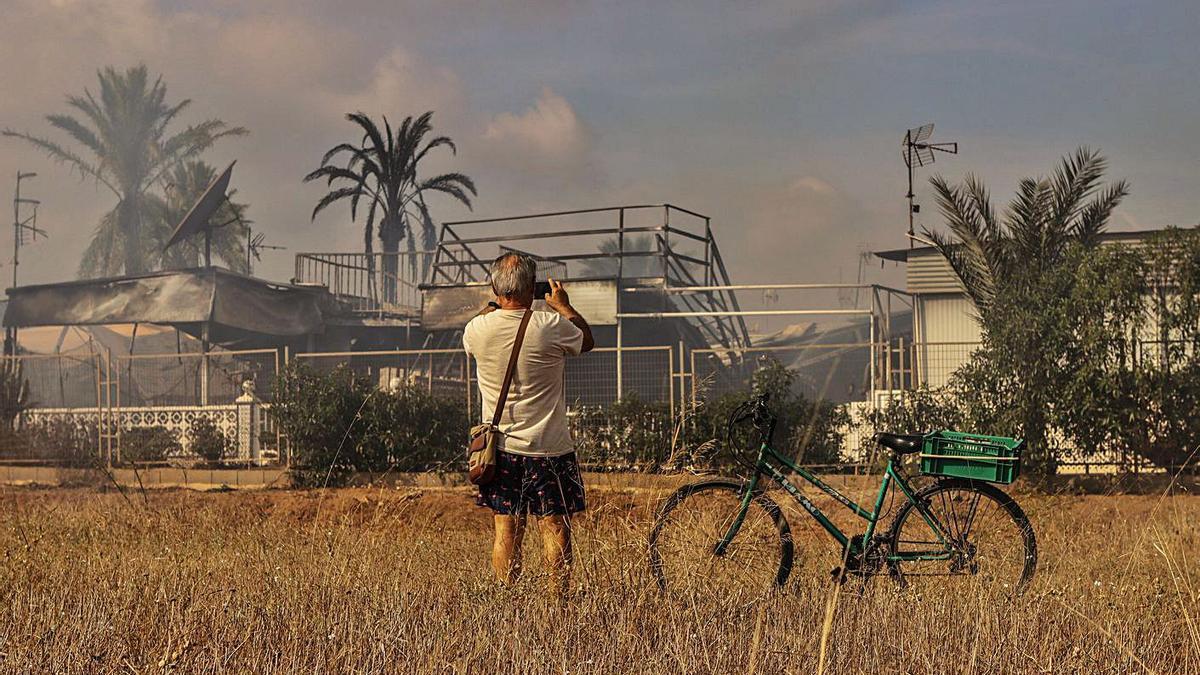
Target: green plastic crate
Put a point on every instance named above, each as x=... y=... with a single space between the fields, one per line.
x=994 y=459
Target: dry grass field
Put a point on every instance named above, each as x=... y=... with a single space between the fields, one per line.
x=394 y=580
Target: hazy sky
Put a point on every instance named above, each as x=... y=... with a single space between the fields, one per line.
x=781 y=120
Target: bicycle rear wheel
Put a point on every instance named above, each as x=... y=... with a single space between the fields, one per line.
x=990 y=543
x=691 y=523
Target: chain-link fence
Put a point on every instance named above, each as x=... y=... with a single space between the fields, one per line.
x=830 y=372
x=78 y=409
x=192 y=378
x=645 y=374
x=441 y=372
x=934 y=362
x=52 y=408
x=184 y=407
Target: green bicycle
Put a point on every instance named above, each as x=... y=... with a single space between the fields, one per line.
x=719 y=533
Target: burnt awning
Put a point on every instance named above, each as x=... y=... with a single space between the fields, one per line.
x=236 y=309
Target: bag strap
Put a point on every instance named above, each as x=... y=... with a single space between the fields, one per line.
x=512 y=367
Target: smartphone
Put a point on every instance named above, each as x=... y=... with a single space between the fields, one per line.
x=541 y=289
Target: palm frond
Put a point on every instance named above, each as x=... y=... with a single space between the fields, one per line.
x=436 y=143
x=331 y=197
x=972 y=255
x=75 y=129
x=337 y=150
x=456 y=185
x=1073 y=181
x=369 y=228
x=969 y=264
x=370 y=130
x=1093 y=219
x=102 y=257
x=60 y=154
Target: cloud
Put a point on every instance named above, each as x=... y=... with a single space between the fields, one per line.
x=812 y=184
x=549 y=129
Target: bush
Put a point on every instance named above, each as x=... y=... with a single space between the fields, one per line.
x=339 y=422
x=633 y=434
x=207 y=440
x=148 y=444
x=807 y=431
x=66 y=441
x=14 y=392
x=916 y=412
x=628 y=434
x=410 y=429
x=315 y=412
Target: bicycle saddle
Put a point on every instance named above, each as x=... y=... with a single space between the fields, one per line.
x=901 y=444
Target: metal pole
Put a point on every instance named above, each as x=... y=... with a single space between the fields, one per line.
x=909 y=195
x=753 y=287
x=671 y=380
x=620 y=278
x=620 y=246
x=887 y=328
x=16 y=229
x=204 y=365
x=682 y=379
x=666 y=243
x=707 y=252
x=469 y=394
x=872 y=389
x=748 y=312
x=619 y=374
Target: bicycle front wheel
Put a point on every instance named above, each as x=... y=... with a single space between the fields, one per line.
x=986 y=540
x=685 y=555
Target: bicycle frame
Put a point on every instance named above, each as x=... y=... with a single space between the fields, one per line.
x=763 y=466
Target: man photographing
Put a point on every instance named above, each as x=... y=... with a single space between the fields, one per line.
x=537 y=472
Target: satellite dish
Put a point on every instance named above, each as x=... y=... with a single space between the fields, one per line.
x=198 y=219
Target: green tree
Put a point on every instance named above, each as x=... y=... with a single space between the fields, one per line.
x=126 y=130
x=1019 y=270
x=384 y=169
x=185 y=183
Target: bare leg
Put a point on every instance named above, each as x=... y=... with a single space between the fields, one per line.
x=556 y=546
x=506 y=550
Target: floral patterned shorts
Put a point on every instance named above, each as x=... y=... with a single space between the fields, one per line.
x=542 y=486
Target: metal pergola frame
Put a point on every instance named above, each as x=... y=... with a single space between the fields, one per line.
x=713 y=309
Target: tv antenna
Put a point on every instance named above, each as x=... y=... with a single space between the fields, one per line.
x=255 y=246
x=198 y=218
x=918 y=151
x=25 y=230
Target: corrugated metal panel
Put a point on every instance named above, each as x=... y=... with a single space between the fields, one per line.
x=948 y=333
x=928 y=272
x=948 y=318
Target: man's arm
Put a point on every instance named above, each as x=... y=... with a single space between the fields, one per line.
x=559 y=301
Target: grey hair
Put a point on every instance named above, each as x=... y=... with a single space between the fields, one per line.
x=513 y=275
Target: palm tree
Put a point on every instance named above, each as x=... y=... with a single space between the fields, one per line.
x=185 y=184
x=125 y=131
x=1034 y=233
x=383 y=169
x=1015 y=268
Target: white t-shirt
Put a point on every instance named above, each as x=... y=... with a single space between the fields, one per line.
x=534 y=421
